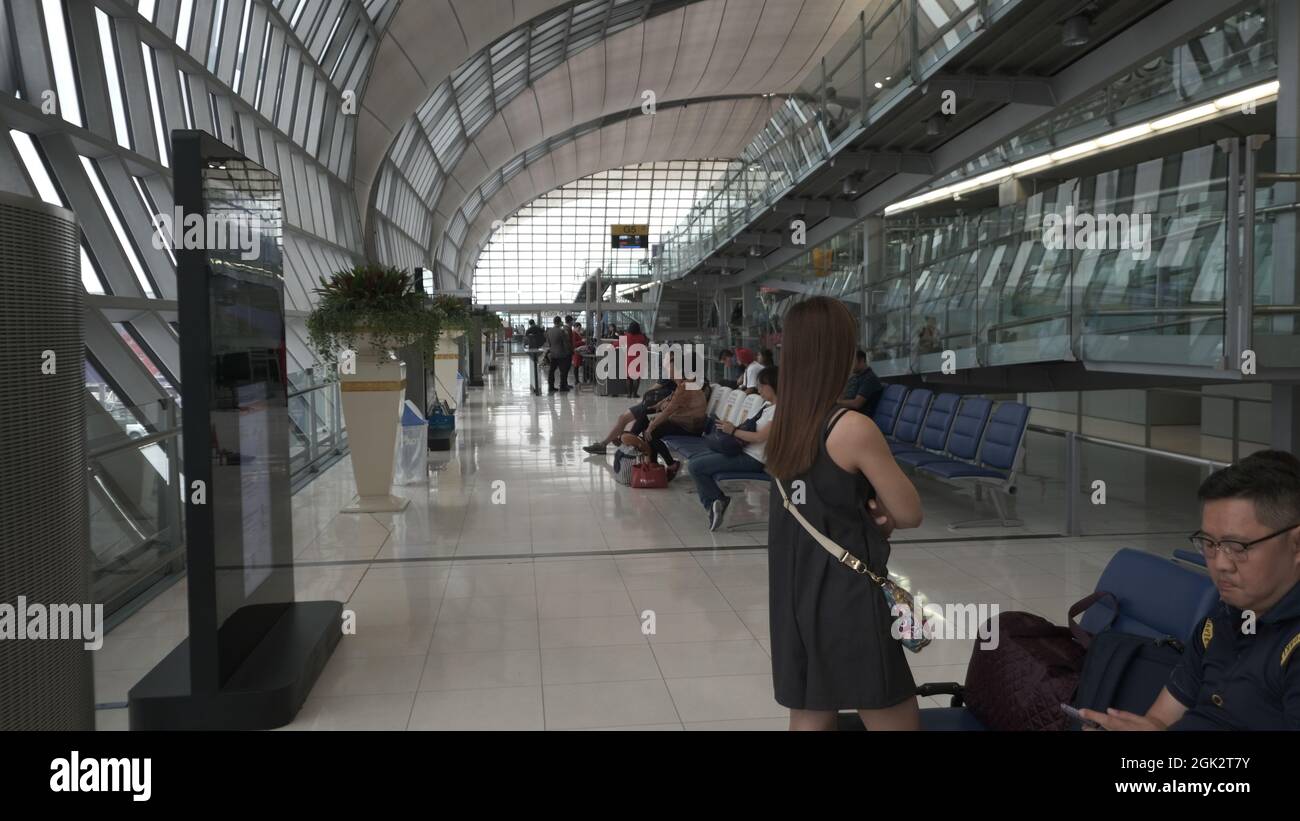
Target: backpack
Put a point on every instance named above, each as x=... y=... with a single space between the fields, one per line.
x=1125 y=671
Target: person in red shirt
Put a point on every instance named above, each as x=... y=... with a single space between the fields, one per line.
x=575 y=331
x=638 y=362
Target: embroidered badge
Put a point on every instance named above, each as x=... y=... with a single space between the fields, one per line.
x=1207 y=633
x=1290 y=648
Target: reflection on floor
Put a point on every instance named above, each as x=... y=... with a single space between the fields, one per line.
x=517 y=589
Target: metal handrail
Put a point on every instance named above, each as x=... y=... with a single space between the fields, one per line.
x=1200 y=461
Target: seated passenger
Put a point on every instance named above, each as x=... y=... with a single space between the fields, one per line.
x=862 y=393
x=639 y=414
x=683 y=414
x=1240 y=673
x=765 y=360
x=707 y=465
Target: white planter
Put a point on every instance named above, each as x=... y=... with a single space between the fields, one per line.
x=372 y=401
x=447 y=365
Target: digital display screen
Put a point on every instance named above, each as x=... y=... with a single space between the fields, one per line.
x=248 y=407
x=629 y=236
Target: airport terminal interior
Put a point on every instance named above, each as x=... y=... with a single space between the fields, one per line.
x=1065 y=232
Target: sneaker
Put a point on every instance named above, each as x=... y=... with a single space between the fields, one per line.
x=717 y=512
x=599 y=448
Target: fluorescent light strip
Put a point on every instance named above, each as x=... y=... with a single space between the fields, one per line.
x=1235 y=101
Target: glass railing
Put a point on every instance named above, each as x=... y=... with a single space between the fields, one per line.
x=136 y=480
x=1007 y=285
x=1236 y=53
x=873 y=64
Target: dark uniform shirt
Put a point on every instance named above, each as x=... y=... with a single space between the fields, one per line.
x=1229 y=680
x=866 y=385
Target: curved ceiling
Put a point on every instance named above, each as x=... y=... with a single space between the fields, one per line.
x=708 y=48
x=412 y=70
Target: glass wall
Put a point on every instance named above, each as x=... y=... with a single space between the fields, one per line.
x=551 y=246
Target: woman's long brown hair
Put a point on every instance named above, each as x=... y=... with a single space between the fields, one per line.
x=818 y=344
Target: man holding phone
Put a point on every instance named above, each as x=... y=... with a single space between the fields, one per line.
x=1241 y=668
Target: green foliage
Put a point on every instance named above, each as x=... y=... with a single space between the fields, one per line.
x=383 y=304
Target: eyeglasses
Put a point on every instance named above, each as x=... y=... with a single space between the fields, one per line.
x=1233 y=548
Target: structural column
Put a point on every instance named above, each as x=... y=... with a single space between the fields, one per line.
x=1285 y=406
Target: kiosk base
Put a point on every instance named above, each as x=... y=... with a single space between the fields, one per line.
x=265 y=692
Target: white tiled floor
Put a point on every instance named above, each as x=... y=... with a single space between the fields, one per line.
x=514 y=592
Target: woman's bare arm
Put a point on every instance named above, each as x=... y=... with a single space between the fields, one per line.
x=856 y=444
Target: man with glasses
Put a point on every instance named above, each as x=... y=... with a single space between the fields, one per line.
x=1241 y=668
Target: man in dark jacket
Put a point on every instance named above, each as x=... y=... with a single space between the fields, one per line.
x=534 y=339
x=1240 y=668
x=559 y=343
x=864 y=388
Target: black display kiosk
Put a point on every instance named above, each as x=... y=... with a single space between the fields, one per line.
x=253 y=653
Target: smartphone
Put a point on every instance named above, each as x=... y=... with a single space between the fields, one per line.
x=1077 y=716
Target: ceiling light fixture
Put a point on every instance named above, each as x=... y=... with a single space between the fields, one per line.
x=1219 y=107
x=1074 y=32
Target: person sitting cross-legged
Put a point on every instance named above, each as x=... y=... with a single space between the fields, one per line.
x=707 y=465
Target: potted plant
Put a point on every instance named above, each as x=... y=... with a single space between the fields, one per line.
x=362 y=317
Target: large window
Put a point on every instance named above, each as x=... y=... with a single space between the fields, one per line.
x=553 y=244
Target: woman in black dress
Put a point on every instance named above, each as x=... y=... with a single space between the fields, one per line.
x=831 y=643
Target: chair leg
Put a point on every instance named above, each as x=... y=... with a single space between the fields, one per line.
x=999 y=505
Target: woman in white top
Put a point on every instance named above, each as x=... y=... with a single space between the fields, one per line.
x=755 y=368
x=710 y=463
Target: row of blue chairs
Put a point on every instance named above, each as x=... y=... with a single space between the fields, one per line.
x=956 y=439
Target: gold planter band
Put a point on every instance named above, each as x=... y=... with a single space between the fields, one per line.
x=390 y=385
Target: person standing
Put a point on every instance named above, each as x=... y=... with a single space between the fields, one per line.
x=832 y=647
x=534 y=338
x=559 y=341
x=638 y=357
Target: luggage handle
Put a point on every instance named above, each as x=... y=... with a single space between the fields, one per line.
x=1083 y=636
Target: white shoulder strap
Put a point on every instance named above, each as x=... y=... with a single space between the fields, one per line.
x=841 y=555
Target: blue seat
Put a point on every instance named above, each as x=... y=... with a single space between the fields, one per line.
x=1155 y=596
x=887 y=409
x=935 y=429
x=999 y=451
x=964 y=437
x=911 y=417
